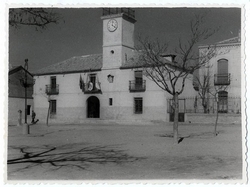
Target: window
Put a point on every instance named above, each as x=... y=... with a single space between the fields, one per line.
x=223 y=76
x=92 y=78
x=222 y=66
x=53 y=107
x=138 y=77
x=110 y=101
x=28 y=109
x=138 y=105
x=223 y=101
x=53 y=89
x=53 y=82
x=93 y=83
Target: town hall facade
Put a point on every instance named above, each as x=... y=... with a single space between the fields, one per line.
x=108 y=86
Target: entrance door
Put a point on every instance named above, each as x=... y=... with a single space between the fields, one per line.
x=93 y=107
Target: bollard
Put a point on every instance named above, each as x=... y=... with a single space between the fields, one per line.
x=26 y=128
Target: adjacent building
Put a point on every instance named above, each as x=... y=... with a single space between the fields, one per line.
x=17 y=94
x=224 y=75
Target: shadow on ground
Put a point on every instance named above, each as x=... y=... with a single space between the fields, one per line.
x=203 y=135
x=68 y=156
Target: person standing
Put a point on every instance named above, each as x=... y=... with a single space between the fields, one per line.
x=33 y=116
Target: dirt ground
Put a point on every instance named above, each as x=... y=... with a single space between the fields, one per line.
x=128 y=152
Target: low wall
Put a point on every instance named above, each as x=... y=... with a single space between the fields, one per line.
x=210 y=118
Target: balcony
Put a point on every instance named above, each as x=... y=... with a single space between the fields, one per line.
x=221 y=79
x=52 y=89
x=137 y=86
x=90 y=88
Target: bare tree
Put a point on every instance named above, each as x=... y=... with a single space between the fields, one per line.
x=202 y=83
x=215 y=93
x=38 y=17
x=206 y=91
x=171 y=76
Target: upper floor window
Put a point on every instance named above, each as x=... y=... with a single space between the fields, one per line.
x=222 y=67
x=52 y=88
x=222 y=77
x=92 y=85
x=138 y=84
x=138 y=77
x=53 y=81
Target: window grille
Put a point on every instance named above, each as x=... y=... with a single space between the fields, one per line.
x=53 y=107
x=138 y=105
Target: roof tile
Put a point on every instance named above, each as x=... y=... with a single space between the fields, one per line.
x=74 y=64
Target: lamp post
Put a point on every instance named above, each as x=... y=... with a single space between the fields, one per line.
x=25 y=84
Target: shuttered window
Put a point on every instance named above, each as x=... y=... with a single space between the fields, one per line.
x=138 y=77
x=222 y=67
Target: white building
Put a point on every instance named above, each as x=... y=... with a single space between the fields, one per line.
x=224 y=70
x=107 y=86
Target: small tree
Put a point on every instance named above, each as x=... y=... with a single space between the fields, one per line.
x=202 y=82
x=215 y=93
x=206 y=90
x=38 y=17
x=171 y=76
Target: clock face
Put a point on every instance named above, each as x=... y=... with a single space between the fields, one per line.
x=112 y=25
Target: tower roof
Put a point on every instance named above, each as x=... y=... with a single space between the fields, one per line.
x=127 y=13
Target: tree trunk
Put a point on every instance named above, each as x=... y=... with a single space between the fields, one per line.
x=204 y=105
x=216 y=121
x=47 y=122
x=176 y=116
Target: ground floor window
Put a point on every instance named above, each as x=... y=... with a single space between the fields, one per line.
x=28 y=109
x=53 y=107
x=110 y=101
x=223 y=101
x=138 y=105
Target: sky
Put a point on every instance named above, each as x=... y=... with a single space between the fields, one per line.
x=79 y=32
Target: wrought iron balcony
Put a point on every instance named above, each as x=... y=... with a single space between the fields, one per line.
x=90 y=88
x=52 y=89
x=222 y=79
x=137 y=86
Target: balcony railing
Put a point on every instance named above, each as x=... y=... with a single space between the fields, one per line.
x=90 y=88
x=222 y=79
x=137 y=86
x=52 y=89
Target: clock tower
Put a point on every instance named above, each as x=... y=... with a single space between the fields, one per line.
x=118 y=36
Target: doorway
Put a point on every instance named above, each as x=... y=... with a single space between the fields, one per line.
x=93 y=107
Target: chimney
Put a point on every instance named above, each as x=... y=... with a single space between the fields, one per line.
x=170 y=57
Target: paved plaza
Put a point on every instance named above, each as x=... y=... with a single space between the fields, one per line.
x=128 y=152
